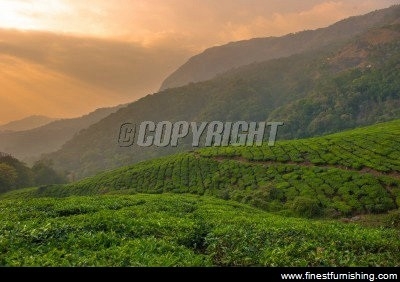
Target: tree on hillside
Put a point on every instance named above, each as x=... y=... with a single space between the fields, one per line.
x=24 y=173
x=8 y=177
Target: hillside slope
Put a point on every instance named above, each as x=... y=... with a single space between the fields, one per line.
x=349 y=173
x=220 y=59
x=315 y=93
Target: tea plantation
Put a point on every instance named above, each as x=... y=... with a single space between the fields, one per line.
x=185 y=230
x=272 y=206
x=345 y=174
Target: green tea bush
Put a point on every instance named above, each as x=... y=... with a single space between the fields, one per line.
x=393 y=219
x=306 y=207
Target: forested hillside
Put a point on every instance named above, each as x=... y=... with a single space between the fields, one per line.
x=219 y=59
x=314 y=93
x=15 y=174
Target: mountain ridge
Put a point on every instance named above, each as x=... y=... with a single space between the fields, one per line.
x=28 y=145
x=27 y=123
x=219 y=59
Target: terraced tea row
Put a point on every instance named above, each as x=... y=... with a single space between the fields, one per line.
x=376 y=147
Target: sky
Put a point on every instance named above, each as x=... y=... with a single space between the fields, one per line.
x=64 y=58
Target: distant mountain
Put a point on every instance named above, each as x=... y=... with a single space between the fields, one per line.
x=220 y=59
x=26 y=123
x=30 y=144
x=322 y=91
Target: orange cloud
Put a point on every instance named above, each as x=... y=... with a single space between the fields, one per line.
x=195 y=23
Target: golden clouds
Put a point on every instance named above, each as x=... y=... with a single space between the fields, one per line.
x=196 y=24
x=59 y=75
x=28 y=89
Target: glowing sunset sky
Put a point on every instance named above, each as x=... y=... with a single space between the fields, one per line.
x=204 y=22
x=110 y=52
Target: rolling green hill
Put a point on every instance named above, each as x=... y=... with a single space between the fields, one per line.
x=349 y=173
x=328 y=90
x=277 y=206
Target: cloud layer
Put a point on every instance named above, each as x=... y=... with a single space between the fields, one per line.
x=195 y=24
x=60 y=76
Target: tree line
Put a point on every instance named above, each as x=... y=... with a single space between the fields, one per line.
x=15 y=174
